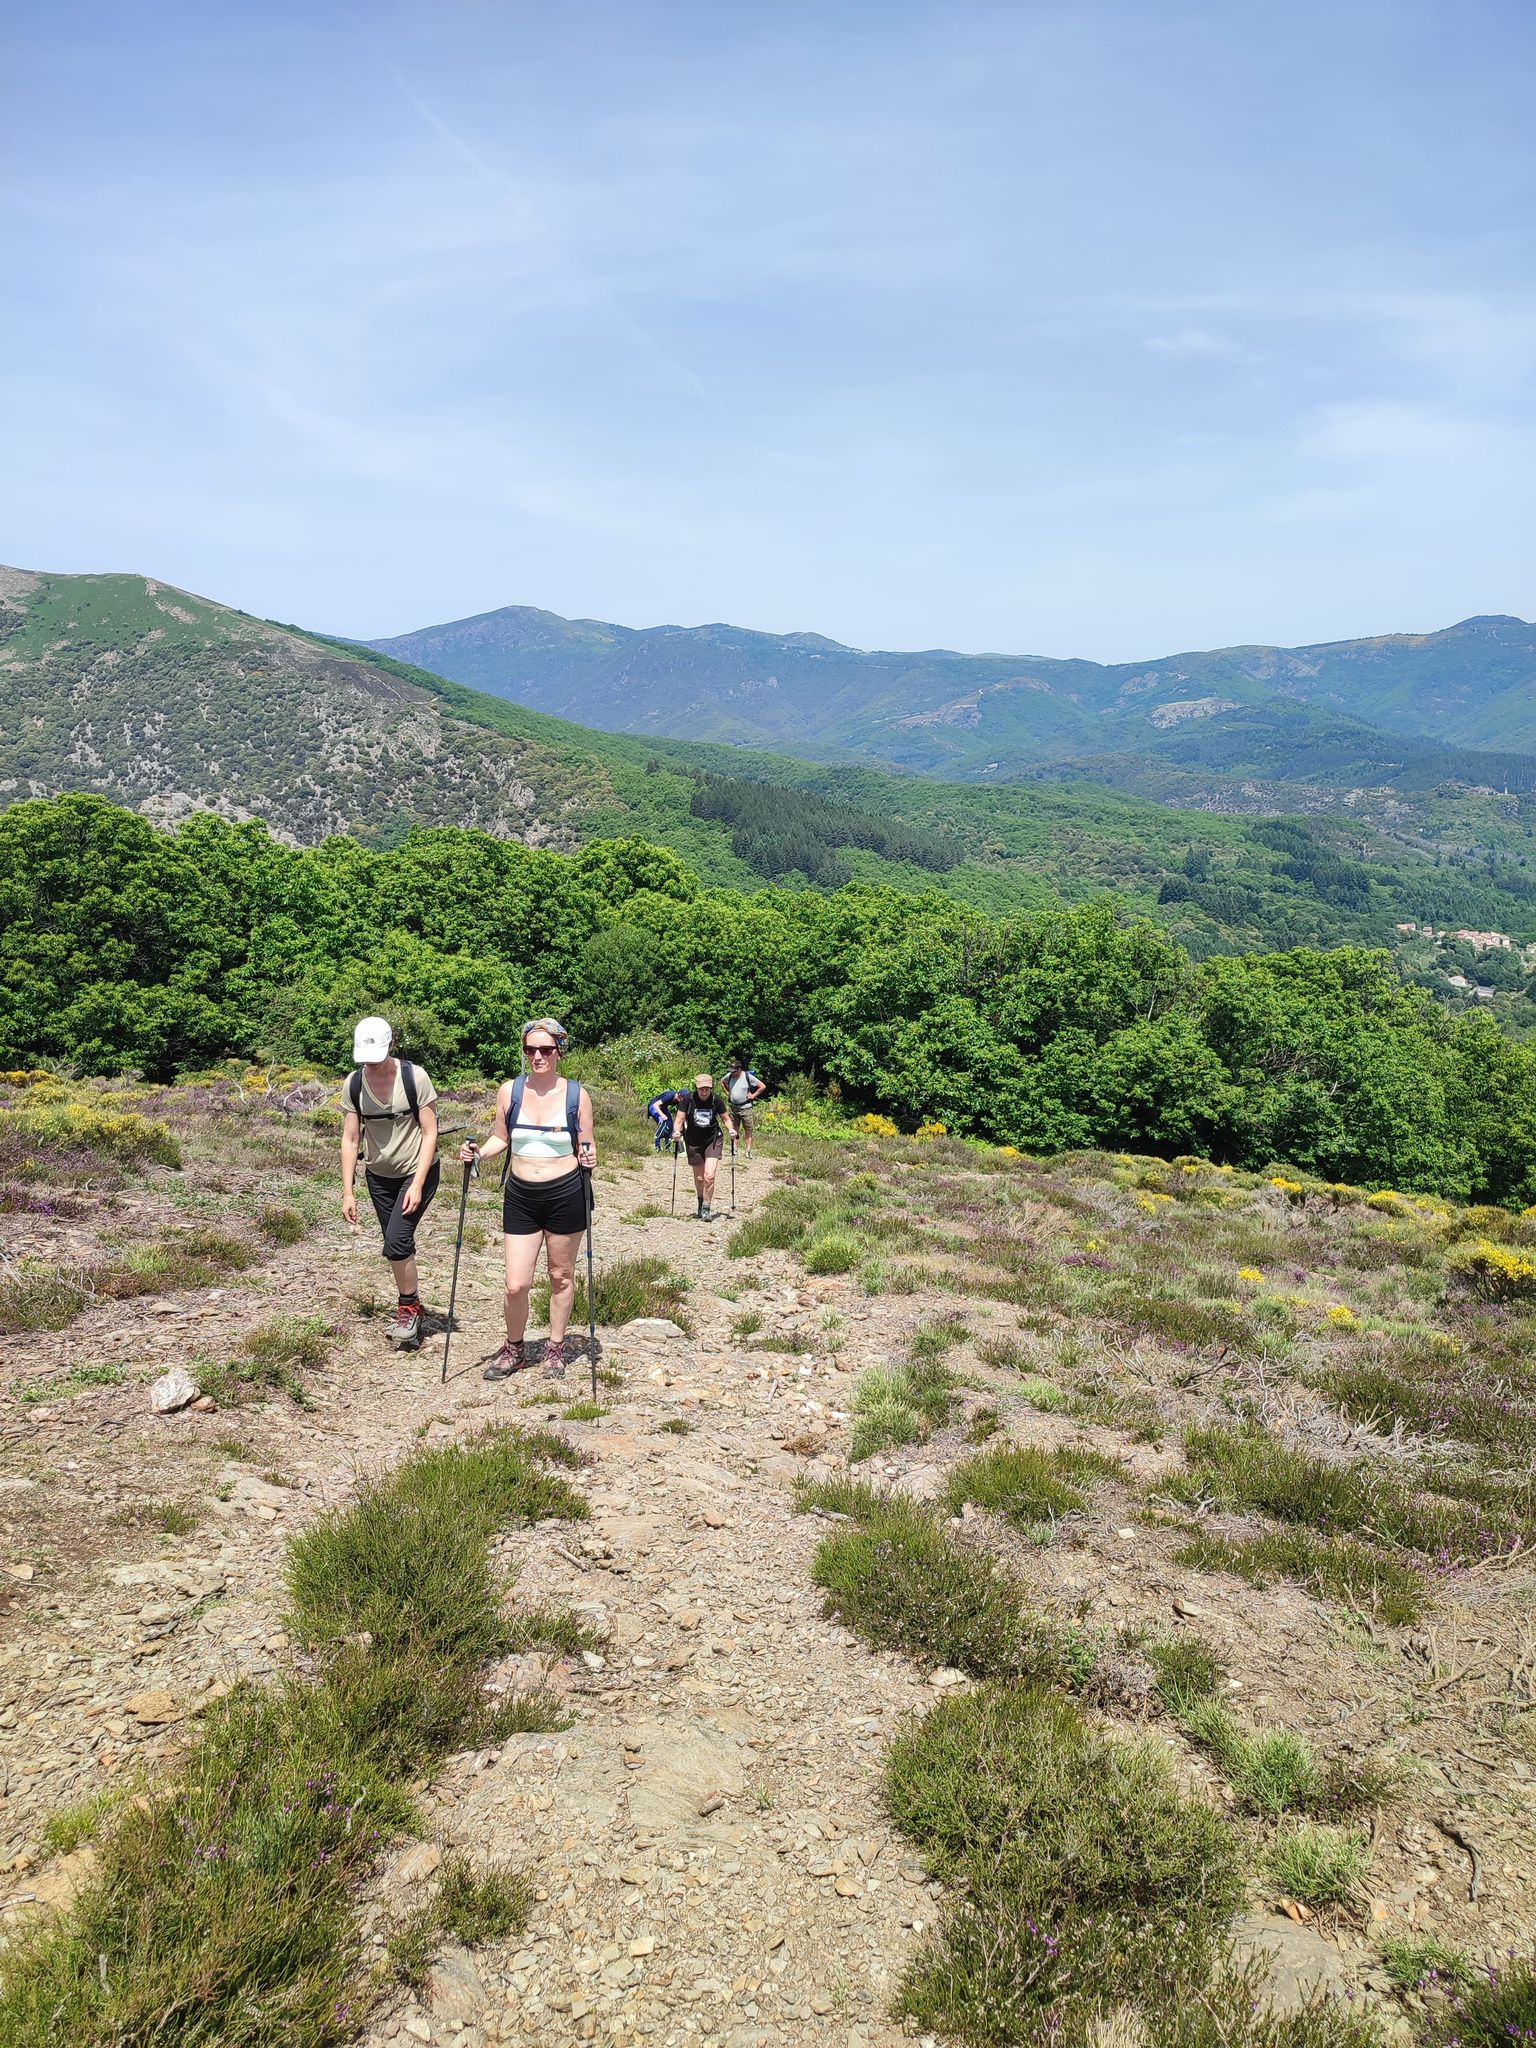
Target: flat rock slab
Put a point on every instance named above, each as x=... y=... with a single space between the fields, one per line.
x=1302 y=1965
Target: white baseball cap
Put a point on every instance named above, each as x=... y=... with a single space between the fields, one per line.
x=372 y=1039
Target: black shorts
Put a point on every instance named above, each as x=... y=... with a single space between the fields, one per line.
x=398 y=1228
x=530 y=1207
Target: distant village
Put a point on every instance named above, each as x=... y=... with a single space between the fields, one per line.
x=1481 y=942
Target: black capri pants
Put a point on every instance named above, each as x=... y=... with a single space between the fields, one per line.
x=398 y=1228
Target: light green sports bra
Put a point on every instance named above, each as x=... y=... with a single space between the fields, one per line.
x=539 y=1141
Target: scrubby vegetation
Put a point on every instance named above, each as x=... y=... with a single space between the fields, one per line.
x=224 y=1906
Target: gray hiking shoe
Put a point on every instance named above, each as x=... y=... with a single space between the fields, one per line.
x=405 y=1327
x=554 y=1360
x=508 y=1360
x=706 y=1214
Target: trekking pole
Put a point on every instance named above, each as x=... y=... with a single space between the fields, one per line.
x=733 y=1176
x=674 y=1176
x=586 y=1177
x=453 y=1288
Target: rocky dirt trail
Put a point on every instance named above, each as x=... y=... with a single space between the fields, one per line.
x=706 y=1840
x=710 y=1858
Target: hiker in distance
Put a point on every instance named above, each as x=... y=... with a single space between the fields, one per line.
x=697 y=1120
x=390 y=1114
x=660 y=1110
x=545 y=1123
x=744 y=1087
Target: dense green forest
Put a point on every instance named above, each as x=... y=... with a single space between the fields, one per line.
x=124 y=946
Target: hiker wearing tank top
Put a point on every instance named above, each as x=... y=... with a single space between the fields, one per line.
x=545 y=1123
x=391 y=1118
x=697 y=1119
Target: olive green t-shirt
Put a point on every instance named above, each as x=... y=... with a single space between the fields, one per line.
x=391 y=1135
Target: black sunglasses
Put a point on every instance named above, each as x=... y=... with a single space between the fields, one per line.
x=539 y=1049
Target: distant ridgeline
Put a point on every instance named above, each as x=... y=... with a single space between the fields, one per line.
x=124 y=946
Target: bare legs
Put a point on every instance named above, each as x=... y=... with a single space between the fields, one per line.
x=522 y=1257
x=704 y=1167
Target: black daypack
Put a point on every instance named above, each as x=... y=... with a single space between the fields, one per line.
x=701 y=1122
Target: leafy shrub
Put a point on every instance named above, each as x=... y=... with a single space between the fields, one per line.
x=68 y=1129
x=1494 y=1272
x=1497 y=2011
x=873 y=1125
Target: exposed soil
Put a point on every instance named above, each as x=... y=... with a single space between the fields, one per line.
x=712 y=1861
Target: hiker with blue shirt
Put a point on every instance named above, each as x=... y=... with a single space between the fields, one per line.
x=545 y=1124
x=659 y=1109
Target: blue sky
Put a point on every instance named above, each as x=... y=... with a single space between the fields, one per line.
x=1106 y=328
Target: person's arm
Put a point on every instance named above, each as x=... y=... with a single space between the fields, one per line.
x=586 y=1146
x=729 y=1121
x=413 y=1194
x=351 y=1134
x=469 y=1152
x=758 y=1088
x=677 y=1117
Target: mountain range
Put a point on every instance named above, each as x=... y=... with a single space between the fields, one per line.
x=1408 y=710
x=127 y=688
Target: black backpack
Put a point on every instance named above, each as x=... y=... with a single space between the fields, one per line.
x=354 y=1097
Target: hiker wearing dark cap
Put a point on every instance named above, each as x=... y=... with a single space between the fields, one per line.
x=698 y=1119
x=390 y=1116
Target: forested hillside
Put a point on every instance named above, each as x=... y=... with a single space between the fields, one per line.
x=126 y=688
x=121 y=945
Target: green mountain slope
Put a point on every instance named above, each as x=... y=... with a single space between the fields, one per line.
x=167 y=702
x=978 y=716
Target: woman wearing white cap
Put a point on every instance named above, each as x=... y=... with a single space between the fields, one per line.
x=545 y=1122
x=390 y=1114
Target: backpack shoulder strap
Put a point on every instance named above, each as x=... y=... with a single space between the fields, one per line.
x=355 y=1091
x=573 y=1112
x=408 y=1076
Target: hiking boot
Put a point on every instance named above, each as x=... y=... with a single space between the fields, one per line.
x=405 y=1329
x=508 y=1360
x=706 y=1214
x=554 y=1360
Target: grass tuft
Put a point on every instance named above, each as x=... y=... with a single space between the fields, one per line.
x=1338 y=1567
x=1320 y=1866
x=641 y=1286
x=1081 y=1877
x=899 y=1579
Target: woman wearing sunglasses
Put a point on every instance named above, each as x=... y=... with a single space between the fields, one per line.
x=546 y=1125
